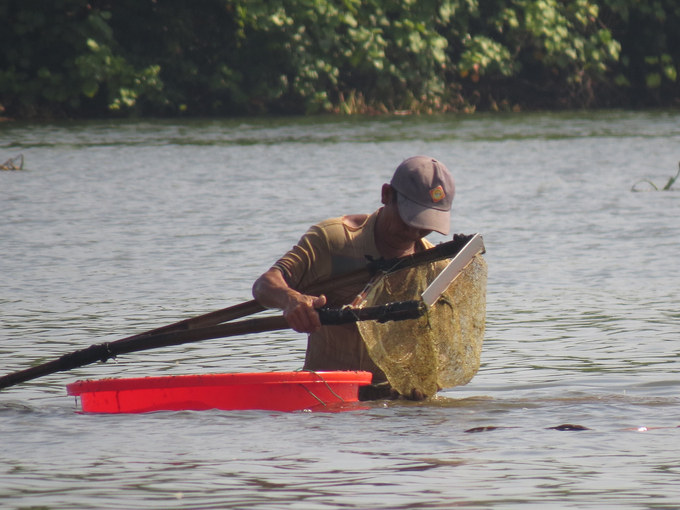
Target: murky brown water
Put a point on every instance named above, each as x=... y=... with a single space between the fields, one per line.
x=117 y=228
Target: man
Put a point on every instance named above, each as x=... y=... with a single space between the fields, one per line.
x=416 y=202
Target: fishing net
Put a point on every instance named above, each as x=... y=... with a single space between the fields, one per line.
x=439 y=350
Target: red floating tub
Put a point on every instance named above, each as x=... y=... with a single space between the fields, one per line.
x=274 y=391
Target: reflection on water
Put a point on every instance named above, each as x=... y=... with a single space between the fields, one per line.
x=117 y=228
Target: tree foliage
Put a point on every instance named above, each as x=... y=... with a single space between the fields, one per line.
x=97 y=58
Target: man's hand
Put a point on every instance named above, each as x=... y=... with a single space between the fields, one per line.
x=300 y=312
x=272 y=291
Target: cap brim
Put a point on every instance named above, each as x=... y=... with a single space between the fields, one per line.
x=419 y=216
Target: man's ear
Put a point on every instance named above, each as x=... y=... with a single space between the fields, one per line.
x=387 y=191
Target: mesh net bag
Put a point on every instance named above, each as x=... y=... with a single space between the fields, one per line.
x=439 y=350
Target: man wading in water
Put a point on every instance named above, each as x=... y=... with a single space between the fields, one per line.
x=416 y=202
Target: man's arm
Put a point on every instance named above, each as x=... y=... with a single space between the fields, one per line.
x=272 y=291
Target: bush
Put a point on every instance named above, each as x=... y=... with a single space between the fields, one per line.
x=73 y=58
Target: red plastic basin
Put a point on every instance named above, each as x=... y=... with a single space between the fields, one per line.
x=275 y=391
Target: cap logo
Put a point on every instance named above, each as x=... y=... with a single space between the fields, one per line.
x=437 y=194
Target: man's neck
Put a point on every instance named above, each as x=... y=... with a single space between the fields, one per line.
x=385 y=248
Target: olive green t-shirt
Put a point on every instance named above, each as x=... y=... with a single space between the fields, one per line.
x=330 y=248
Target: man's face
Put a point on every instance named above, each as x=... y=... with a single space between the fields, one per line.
x=397 y=234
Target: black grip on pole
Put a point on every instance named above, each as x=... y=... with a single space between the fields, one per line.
x=98 y=352
x=397 y=311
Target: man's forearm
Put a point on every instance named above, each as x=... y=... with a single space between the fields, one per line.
x=272 y=291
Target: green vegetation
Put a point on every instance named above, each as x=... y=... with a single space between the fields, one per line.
x=667 y=187
x=103 y=58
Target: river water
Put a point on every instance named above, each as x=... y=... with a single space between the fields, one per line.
x=115 y=228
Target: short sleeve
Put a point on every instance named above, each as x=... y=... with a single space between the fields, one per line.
x=308 y=261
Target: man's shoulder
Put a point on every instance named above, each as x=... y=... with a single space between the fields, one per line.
x=351 y=222
x=346 y=234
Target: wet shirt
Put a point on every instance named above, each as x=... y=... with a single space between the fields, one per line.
x=330 y=248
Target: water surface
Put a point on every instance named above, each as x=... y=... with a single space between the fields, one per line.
x=116 y=228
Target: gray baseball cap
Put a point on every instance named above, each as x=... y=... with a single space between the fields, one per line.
x=425 y=191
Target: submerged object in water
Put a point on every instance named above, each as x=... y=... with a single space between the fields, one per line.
x=16 y=163
x=273 y=391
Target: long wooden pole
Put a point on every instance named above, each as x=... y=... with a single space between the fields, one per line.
x=102 y=352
